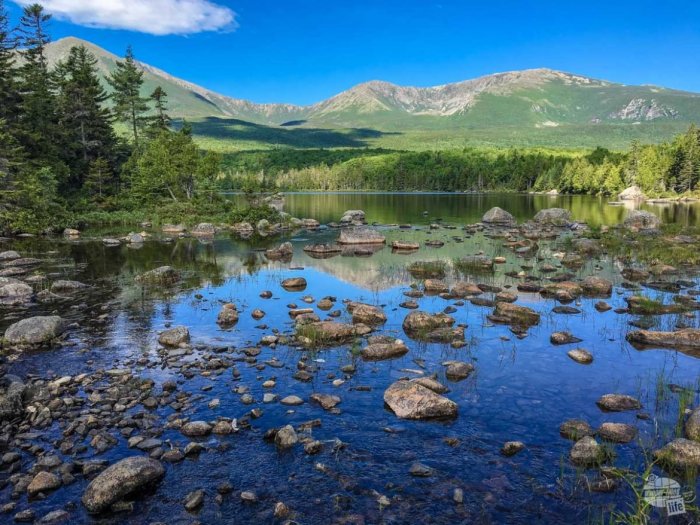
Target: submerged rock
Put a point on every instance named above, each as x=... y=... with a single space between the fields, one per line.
x=563 y=338
x=35 y=330
x=410 y=400
x=119 y=480
x=458 y=370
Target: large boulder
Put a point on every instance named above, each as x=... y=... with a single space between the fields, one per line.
x=409 y=400
x=12 y=395
x=685 y=338
x=640 y=220
x=163 y=275
x=633 y=193
x=35 y=330
x=680 y=454
x=692 y=425
x=499 y=216
x=119 y=480
x=361 y=235
x=15 y=293
x=553 y=216
x=174 y=336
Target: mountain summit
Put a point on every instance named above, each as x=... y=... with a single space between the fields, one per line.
x=532 y=98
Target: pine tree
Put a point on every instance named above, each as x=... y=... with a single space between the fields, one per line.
x=129 y=106
x=161 y=120
x=98 y=182
x=85 y=121
x=9 y=96
x=37 y=119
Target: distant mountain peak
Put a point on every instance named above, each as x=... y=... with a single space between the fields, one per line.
x=530 y=98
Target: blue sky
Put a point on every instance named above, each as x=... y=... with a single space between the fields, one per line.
x=302 y=51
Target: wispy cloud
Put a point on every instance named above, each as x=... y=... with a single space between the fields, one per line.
x=156 y=17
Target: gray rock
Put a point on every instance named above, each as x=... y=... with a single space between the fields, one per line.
x=35 y=330
x=43 y=482
x=618 y=403
x=680 y=454
x=64 y=286
x=553 y=216
x=587 y=452
x=174 y=336
x=360 y=235
x=120 y=479
x=196 y=429
x=204 y=229
x=164 y=275
x=640 y=220
x=499 y=216
x=286 y=437
x=692 y=425
x=410 y=400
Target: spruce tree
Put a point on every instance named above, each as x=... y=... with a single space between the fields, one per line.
x=161 y=120
x=37 y=118
x=126 y=81
x=9 y=96
x=85 y=121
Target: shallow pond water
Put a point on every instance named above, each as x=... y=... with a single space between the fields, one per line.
x=522 y=389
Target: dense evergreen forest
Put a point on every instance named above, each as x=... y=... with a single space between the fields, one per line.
x=62 y=162
x=660 y=170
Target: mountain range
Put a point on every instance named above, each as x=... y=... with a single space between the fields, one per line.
x=517 y=101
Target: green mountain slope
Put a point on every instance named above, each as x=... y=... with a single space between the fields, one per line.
x=541 y=105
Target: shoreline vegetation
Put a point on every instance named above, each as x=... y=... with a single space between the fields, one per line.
x=64 y=165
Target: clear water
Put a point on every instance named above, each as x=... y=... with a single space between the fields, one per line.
x=523 y=389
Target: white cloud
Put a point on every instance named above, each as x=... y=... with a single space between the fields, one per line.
x=157 y=17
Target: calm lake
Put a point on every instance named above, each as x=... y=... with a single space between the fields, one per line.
x=522 y=389
x=461 y=208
